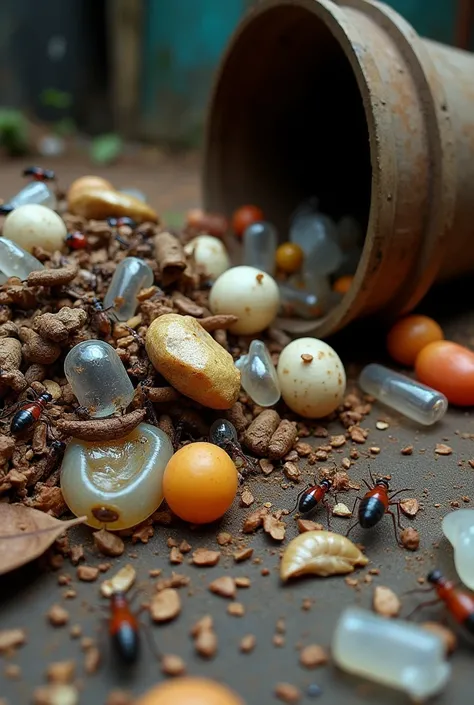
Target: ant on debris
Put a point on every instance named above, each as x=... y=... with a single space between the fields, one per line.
x=223 y=434
x=27 y=413
x=76 y=240
x=313 y=495
x=460 y=604
x=39 y=174
x=375 y=504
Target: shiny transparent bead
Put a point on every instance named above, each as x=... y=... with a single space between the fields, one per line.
x=390 y=651
x=130 y=277
x=317 y=236
x=308 y=207
x=458 y=527
x=135 y=193
x=258 y=375
x=349 y=233
x=98 y=378
x=410 y=398
x=260 y=245
x=15 y=261
x=116 y=483
x=36 y=192
x=299 y=302
x=223 y=432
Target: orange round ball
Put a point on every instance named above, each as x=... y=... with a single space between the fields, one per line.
x=245 y=216
x=410 y=335
x=343 y=284
x=200 y=483
x=449 y=368
x=289 y=257
x=190 y=691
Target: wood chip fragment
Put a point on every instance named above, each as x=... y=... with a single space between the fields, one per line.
x=224 y=586
x=205 y=557
x=165 y=605
x=53 y=277
x=386 y=602
x=170 y=257
x=266 y=466
x=176 y=557
x=220 y=321
x=292 y=471
x=224 y=538
x=108 y=429
x=410 y=507
x=443 y=449
x=254 y=520
x=313 y=656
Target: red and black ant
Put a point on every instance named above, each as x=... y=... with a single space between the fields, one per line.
x=375 y=504
x=39 y=174
x=124 y=628
x=459 y=604
x=29 y=413
x=76 y=240
x=123 y=220
x=313 y=495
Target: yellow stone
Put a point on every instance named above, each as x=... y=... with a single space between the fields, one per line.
x=191 y=360
x=101 y=203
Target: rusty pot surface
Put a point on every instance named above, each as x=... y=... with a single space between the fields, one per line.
x=345 y=101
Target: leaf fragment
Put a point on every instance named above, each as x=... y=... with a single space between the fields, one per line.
x=321 y=553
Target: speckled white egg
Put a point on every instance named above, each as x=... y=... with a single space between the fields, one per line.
x=210 y=253
x=248 y=293
x=312 y=377
x=35 y=226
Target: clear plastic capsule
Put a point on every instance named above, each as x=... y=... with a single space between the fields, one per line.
x=118 y=483
x=15 y=261
x=130 y=277
x=300 y=302
x=98 y=378
x=395 y=653
x=260 y=245
x=36 y=192
x=316 y=234
x=458 y=527
x=258 y=375
x=407 y=396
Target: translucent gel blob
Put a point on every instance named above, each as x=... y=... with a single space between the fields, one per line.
x=458 y=527
x=130 y=277
x=258 y=375
x=15 y=261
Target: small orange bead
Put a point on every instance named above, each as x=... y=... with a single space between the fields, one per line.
x=190 y=691
x=289 y=257
x=410 y=335
x=245 y=216
x=200 y=483
x=343 y=284
x=449 y=368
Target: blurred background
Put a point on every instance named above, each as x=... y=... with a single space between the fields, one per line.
x=114 y=80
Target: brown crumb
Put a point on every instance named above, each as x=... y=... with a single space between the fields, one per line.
x=374 y=571
x=243 y=554
x=246 y=498
x=386 y=602
x=172 y=665
x=337 y=441
x=307 y=604
x=108 y=543
x=184 y=546
x=266 y=466
x=242 y=582
x=308 y=525
x=410 y=538
x=119 y=697
x=205 y=557
x=410 y=507
x=447 y=635
x=313 y=656
x=407 y=450
x=274 y=527
x=224 y=586
x=254 y=520
x=56 y=694
x=165 y=605
x=11 y=639
x=236 y=609
x=282 y=440
x=443 y=449
x=258 y=434
x=278 y=640
x=76 y=553
x=87 y=642
x=61 y=672
x=87 y=573
x=12 y=671
x=75 y=631
x=351 y=582
x=287 y=693
x=292 y=471
x=247 y=643
x=176 y=556
x=357 y=434
x=206 y=643
x=92 y=659
x=224 y=538
x=57 y=616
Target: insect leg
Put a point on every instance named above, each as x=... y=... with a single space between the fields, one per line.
x=394 y=527
x=357 y=499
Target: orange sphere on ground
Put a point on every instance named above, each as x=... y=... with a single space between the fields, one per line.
x=84 y=183
x=190 y=691
x=289 y=257
x=245 y=216
x=343 y=284
x=410 y=335
x=449 y=368
x=200 y=483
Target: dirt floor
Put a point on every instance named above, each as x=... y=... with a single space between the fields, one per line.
x=439 y=482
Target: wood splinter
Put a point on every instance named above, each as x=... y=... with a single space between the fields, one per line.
x=102 y=429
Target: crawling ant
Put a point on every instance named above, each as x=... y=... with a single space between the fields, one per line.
x=223 y=434
x=119 y=222
x=100 y=319
x=76 y=240
x=123 y=628
x=52 y=469
x=29 y=413
x=39 y=174
x=375 y=504
x=459 y=604
x=313 y=495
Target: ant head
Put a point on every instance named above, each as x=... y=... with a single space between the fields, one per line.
x=47 y=396
x=434 y=576
x=326 y=482
x=382 y=482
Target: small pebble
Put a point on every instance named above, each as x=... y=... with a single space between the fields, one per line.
x=58 y=616
x=205 y=557
x=410 y=538
x=87 y=573
x=172 y=665
x=313 y=656
x=247 y=643
x=287 y=693
x=236 y=609
x=386 y=602
x=165 y=605
x=225 y=586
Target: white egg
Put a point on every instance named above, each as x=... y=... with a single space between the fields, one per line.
x=210 y=253
x=34 y=225
x=248 y=293
x=312 y=377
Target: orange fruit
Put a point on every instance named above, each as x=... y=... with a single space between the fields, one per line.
x=190 y=691
x=410 y=335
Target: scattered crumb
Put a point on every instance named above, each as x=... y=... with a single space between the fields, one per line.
x=75 y=631
x=351 y=582
x=278 y=640
x=165 y=605
x=176 y=557
x=225 y=586
x=205 y=557
x=172 y=665
x=184 y=546
x=11 y=639
x=76 y=553
x=122 y=581
x=266 y=466
x=386 y=602
x=410 y=507
x=236 y=609
x=287 y=693
x=443 y=449
x=247 y=643
x=243 y=555
x=60 y=694
x=224 y=538
x=382 y=425
x=108 y=543
x=308 y=525
x=447 y=635
x=61 y=672
x=307 y=604
x=119 y=697
x=92 y=660
x=87 y=573
x=242 y=582
x=246 y=498
x=374 y=450
x=155 y=572
x=408 y=450
x=341 y=510
x=313 y=656
x=410 y=538
x=57 y=616
x=274 y=527
x=12 y=671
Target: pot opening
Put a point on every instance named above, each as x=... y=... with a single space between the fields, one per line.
x=288 y=123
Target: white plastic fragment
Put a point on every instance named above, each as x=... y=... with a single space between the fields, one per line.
x=458 y=527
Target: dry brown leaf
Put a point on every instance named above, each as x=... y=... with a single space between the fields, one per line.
x=26 y=533
x=321 y=553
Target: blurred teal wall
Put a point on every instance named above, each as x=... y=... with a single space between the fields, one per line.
x=184 y=39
